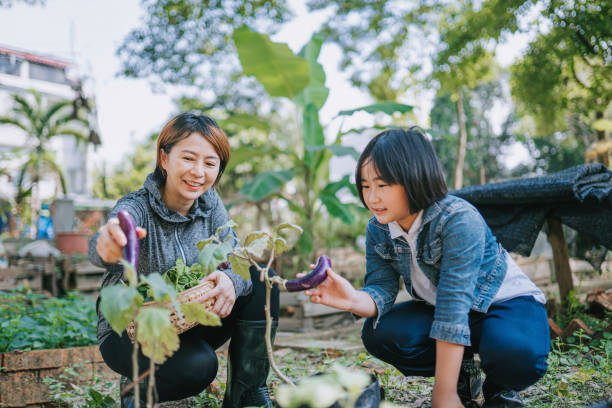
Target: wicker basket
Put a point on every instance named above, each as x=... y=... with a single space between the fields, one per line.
x=189 y=295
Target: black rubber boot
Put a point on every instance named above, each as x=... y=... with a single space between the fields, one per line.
x=469 y=385
x=248 y=366
x=127 y=399
x=496 y=397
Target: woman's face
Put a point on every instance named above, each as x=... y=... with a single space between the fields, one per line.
x=192 y=166
x=388 y=202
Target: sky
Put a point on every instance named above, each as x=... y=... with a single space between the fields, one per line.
x=89 y=33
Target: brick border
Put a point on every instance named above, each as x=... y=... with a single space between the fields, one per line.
x=22 y=373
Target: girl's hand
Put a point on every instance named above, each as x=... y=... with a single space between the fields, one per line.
x=334 y=291
x=223 y=293
x=112 y=240
x=443 y=399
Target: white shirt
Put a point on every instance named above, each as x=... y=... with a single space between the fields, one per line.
x=515 y=283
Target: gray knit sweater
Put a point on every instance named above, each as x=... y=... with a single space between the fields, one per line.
x=170 y=235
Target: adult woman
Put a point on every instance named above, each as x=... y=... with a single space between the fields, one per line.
x=176 y=208
x=470 y=296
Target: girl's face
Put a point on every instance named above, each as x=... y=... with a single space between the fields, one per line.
x=388 y=202
x=191 y=168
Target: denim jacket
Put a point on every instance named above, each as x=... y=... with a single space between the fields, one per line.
x=455 y=250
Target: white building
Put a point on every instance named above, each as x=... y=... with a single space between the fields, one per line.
x=21 y=71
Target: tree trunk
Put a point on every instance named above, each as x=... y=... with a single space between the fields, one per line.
x=461 y=144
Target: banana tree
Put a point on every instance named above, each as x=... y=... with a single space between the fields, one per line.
x=301 y=79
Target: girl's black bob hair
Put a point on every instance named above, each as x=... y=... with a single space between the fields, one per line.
x=405 y=157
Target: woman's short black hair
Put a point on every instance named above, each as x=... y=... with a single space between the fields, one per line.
x=405 y=157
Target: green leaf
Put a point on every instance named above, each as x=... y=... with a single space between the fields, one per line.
x=129 y=272
x=240 y=266
x=212 y=255
x=200 y=245
x=387 y=107
x=274 y=65
x=258 y=247
x=196 y=312
x=336 y=208
x=244 y=154
x=333 y=188
x=304 y=244
x=246 y=121
x=336 y=149
x=229 y=224
x=161 y=291
x=296 y=208
x=313 y=132
x=266 y=183
x=287 y=225
x=280 y=246
x=253 y=236
x=316 y=92
x=156 y=333
x=118 y=305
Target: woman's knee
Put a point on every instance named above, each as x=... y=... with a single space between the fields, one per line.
x=516 y=366
x=385 y=340
x=194 y=375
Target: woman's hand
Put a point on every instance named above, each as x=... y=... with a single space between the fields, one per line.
x=112 y=240
x=223 y=293
x=334 y=291
x=445 y=399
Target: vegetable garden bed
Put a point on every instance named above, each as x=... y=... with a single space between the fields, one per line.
x=23 y=373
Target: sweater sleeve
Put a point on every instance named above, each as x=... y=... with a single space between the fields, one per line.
x=128 y=204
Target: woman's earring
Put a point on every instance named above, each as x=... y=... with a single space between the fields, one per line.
x=164 y=173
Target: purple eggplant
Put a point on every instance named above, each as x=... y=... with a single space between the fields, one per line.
x=128 y=226
x=313 y=279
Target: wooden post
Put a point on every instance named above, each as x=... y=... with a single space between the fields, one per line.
x=560 y=258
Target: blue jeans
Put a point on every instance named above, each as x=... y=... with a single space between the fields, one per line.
x=512 y=340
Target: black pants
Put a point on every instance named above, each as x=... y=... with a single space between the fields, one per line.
x=194 y=366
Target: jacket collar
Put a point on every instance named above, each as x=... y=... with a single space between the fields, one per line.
x=200 y=208
x=429 y=214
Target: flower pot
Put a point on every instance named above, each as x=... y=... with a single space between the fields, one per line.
x=72 y=242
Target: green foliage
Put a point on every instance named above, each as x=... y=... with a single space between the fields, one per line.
x=71 y=390
x=190 y=43
x=42 y=123
x=484 y=146
x=274 y=65
x=128 y=174
x=30 y=321
x=183 y=277
x=309 y=160
x=566 y=68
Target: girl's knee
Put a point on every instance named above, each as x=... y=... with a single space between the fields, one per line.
x=384 y=341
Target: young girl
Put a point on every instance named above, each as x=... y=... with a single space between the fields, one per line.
x=469 y=295
x=175 y=209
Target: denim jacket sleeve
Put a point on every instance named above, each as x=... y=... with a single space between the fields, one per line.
x=463 y=243
x=381 y=278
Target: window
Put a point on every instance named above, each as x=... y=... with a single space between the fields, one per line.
x=47 y=73
x=9 y=65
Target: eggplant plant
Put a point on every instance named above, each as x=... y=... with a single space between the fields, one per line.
x=154 y=332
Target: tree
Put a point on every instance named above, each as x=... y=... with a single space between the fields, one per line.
x=41 y=124
x=483 y=146
x=388 y=46
x=189 y=43
x=562 y=81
